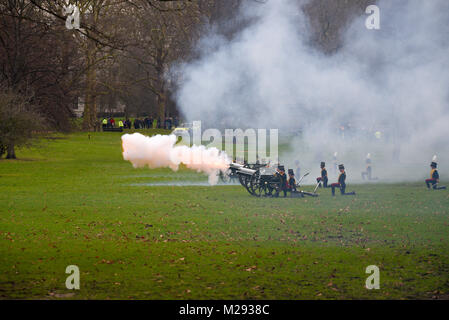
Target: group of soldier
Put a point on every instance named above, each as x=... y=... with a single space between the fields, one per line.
x=323 y=180
x=288 y=184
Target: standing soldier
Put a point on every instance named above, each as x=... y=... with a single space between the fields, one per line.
x=434 y=178
x=334 y=164
x=282 y=180
x=341 y=183
x=291 y=181
x=369 y=170
x=298 y=169
x=323 y=179
x=367 y=173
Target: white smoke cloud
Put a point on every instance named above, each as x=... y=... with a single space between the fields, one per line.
x=393 y=80
x=160 y=152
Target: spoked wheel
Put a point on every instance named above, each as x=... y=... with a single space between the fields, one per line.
x=242 y=180
x=255 y=185
x=246 y=182
x=226 y=176
x=248 y=185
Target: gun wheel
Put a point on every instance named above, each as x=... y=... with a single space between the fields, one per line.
x=255 y=185
x=226 y=176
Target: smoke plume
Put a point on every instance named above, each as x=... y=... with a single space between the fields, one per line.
x=384 y=92
x=160 y=152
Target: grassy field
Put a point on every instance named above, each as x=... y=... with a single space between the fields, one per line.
x=74 y=201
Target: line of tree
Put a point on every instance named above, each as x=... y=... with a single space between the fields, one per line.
x=120 y=53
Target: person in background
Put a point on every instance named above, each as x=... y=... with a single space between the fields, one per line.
x=120 y=124
x=341 y=184
x=169 y=123
x=334 y=162
x=112 y=122
x=434 y=178
x=105 y=123
x=369 y=169
x=298 y=169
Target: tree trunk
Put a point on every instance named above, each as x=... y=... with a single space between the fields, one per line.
x=11 y=152
x=161 y=103
x=90 y=103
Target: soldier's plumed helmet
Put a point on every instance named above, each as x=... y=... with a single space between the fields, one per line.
x=340 y=167
x=323 y=164
x=281 y=168
x=433 y=164
x=290 y=172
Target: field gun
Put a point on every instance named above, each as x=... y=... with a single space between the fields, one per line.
x=258 y=180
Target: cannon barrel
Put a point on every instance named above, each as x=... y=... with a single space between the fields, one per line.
x=236 y=166
x=241 y=169
x=246 y=171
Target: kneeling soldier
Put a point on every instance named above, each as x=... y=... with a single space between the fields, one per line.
x=341 y=183
x=323 y=177
x=434 y=178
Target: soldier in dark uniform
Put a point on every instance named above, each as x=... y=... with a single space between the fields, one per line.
x=291 y=181
x=434 y=178
x=281 y=178
x=323 y=179
x=341 y=183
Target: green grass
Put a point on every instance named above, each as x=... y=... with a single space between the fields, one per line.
x=74 y=201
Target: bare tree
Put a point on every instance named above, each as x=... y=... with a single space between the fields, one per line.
x=35 y=57
x=19 y=120
x=162 y=33
x=328 y=20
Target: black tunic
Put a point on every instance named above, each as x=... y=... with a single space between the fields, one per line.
x=342 y=179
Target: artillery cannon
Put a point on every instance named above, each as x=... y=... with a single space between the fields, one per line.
x=258 y=181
